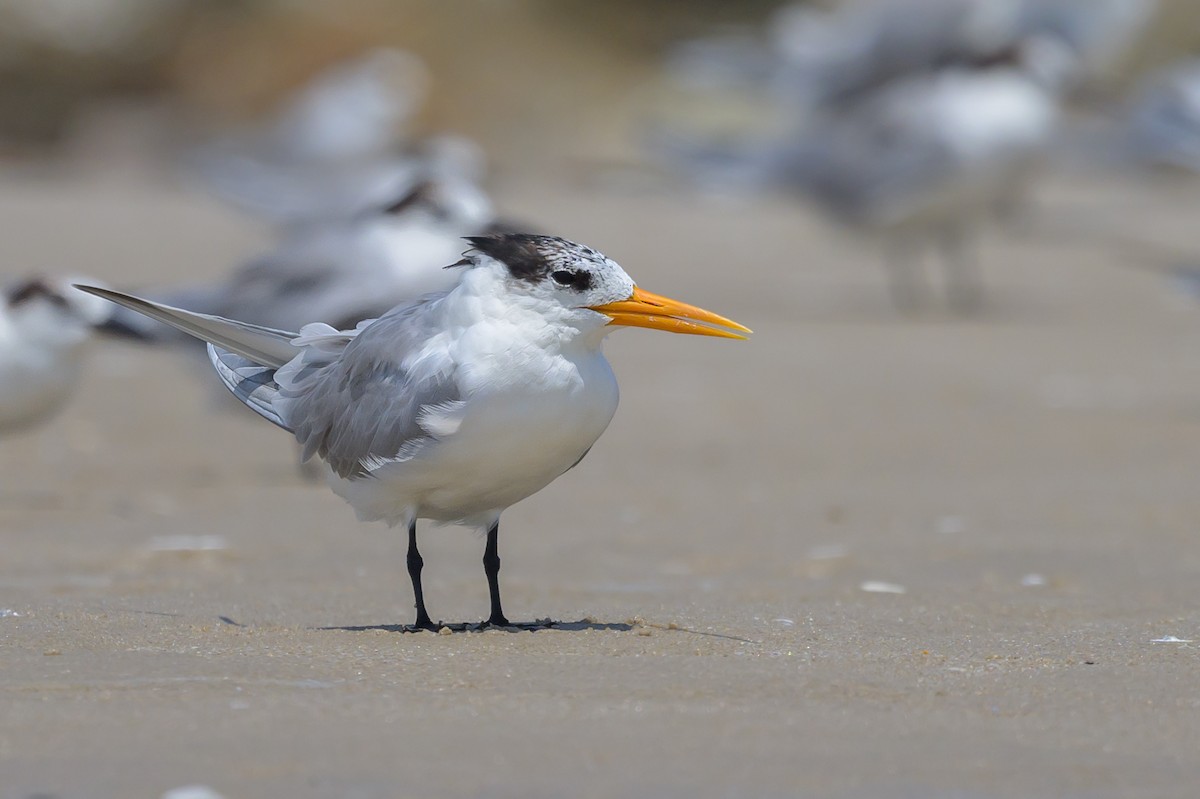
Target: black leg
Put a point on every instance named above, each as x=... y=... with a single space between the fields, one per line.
x=491 y=567
x=415 y=564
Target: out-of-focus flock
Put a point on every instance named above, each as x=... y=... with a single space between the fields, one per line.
x=915 y=122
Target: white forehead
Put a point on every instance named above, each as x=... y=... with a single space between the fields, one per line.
x=611 y=281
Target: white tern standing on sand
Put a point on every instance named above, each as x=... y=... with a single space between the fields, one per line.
x=456 y=407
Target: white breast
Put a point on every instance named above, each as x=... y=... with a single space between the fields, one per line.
x=35 y=380
x=530 y=415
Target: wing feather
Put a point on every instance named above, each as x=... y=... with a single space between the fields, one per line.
x=357 y=398
x=361 y=402
x=251 y=383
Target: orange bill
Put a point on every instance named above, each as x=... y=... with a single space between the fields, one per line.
x=644 y=309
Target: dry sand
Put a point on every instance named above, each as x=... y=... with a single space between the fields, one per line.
x=1027 y=478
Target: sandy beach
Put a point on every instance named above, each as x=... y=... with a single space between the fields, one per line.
x=861 y=555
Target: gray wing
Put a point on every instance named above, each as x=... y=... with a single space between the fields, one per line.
x=381 y=396
x=250 y=382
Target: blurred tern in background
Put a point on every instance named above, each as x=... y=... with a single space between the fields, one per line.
x=829 y=57
x=868 y=45
x=810 y=60
x=927 y=159
x=913 y=119
x=924 y=158
x=45 y=326
x=461 y=405
x=342 y=272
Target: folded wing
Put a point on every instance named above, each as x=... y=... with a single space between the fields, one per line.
x=382 y=396
x=361 y=398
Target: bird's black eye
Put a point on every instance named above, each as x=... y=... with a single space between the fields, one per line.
x=576 y=280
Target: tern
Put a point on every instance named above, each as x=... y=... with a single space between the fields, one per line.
x=341 y=272
x=45 y=326
x=921 y=160
x=927 y=159
x=460 y=405
x=913 y=120
x=833 y=56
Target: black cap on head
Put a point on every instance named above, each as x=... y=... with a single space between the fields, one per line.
x=530 y=256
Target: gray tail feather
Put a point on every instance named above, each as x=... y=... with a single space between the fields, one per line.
x=125 y=323
x=252 y=383
x=262 y=345
x=205 y=300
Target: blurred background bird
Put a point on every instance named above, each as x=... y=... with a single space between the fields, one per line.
x=914 y=121
x=45 y=327
x=341 y=271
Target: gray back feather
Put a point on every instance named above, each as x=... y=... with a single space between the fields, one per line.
x=358 y=399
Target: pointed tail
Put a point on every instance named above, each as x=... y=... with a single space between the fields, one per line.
x=244 y=355
x=261 y=345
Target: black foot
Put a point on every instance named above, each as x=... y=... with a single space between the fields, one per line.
x=427 y=624
x=497 y=620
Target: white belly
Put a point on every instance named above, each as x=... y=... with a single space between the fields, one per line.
x=33 y=387
x=511 y=444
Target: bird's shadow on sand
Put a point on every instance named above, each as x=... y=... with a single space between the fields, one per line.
x=475 y=627
x=582 y=625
